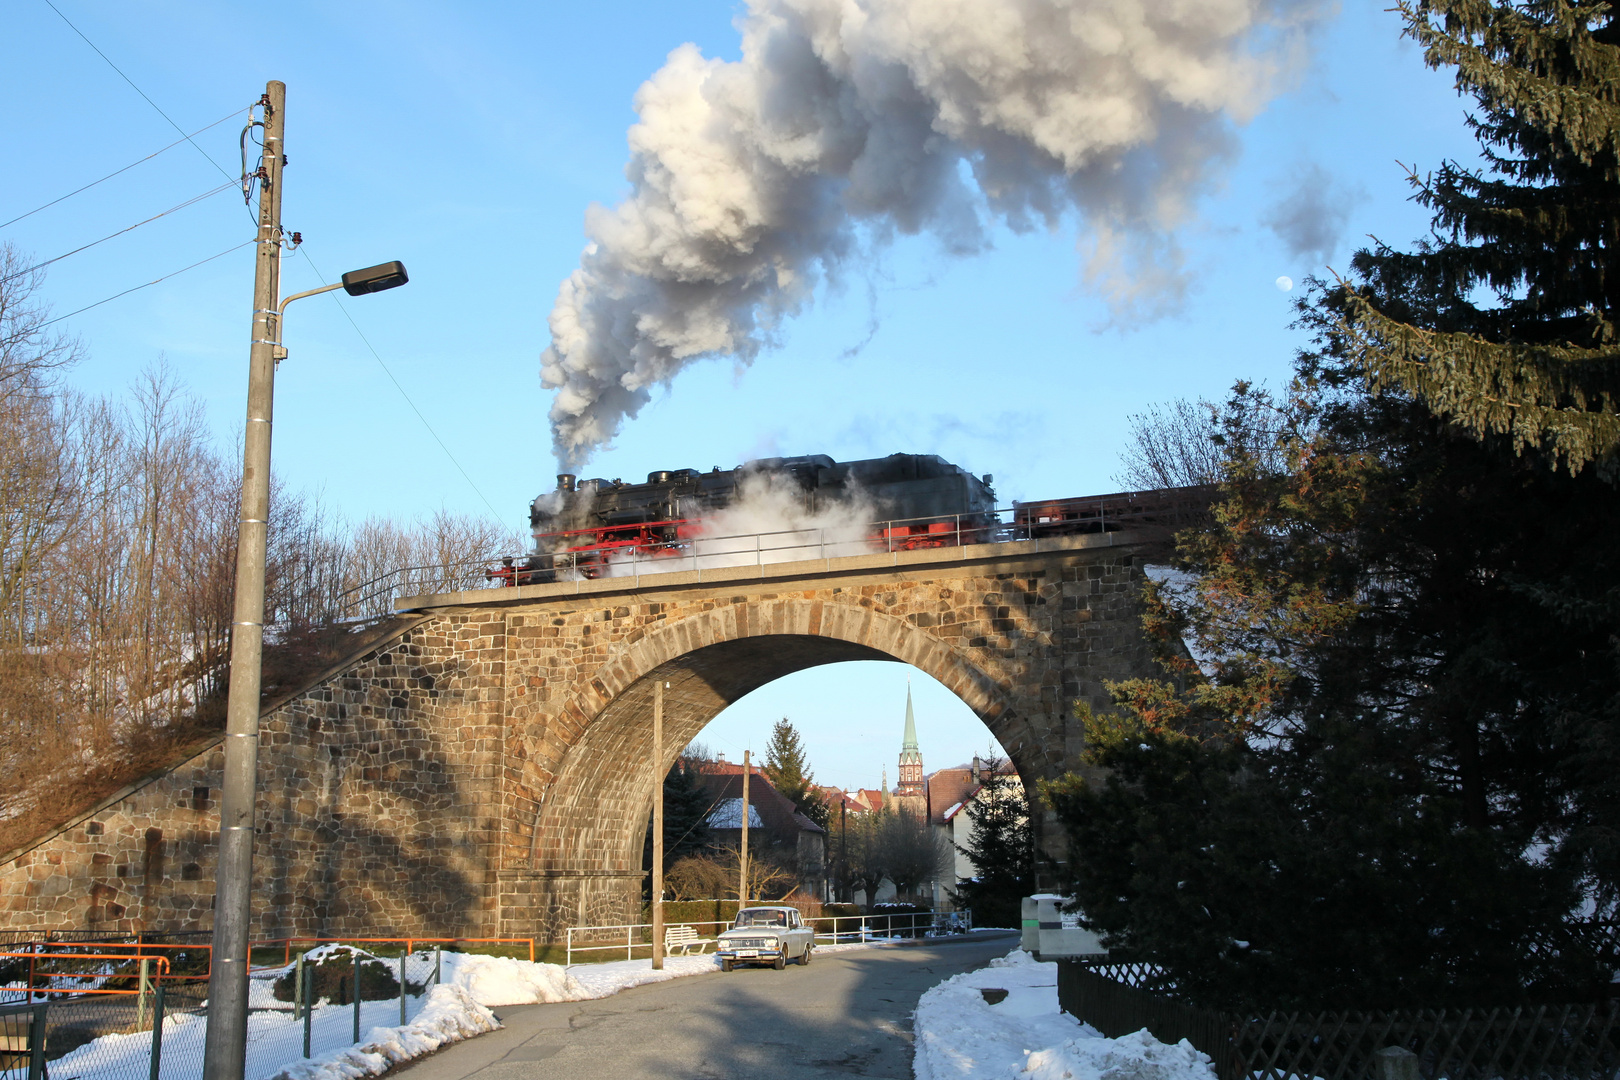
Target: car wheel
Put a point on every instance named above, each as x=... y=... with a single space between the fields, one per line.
x=804 y=958
x=725 y=965
x=781 y=959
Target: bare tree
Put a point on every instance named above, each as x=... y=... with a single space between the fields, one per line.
x=767 y=879
x=698 y=877
x=118 y=524
x=1173 y=445
x=1185 y=443
x=913 y=852
x=30 y=356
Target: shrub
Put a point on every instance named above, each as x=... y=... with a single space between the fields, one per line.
x=677 y=912
x=331 y=969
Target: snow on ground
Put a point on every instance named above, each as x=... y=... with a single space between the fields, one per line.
x=456 y=1010
x=961 y=1036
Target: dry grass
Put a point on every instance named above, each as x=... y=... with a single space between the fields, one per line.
x=44 y=794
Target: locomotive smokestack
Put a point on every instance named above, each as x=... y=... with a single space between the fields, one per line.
x=565 y=481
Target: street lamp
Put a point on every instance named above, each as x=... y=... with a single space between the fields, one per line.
x=383 y=276
x=225 y=1051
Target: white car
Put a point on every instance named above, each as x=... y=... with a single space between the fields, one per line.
x=766 y=935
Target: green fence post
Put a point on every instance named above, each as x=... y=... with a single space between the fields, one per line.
x=309 y=1007
x=355 y=957
x=401 y=989
x=157 y=1031
x=36 y=1044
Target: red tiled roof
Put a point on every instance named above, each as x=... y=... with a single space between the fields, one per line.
x=950 y=789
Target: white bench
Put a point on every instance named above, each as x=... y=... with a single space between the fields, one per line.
x=682 y=938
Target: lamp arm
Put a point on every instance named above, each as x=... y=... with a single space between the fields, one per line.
x=281 y=349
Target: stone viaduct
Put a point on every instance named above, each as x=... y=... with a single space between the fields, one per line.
x=485 y=767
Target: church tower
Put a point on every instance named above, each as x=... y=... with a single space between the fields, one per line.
x=911 y=762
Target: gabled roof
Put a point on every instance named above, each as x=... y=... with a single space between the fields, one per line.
x=723 y=781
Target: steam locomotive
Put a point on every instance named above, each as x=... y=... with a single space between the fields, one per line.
x=913 y=501
x=917 y=500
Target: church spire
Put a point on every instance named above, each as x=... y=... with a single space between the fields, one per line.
x=911 y=763
x=910 y=742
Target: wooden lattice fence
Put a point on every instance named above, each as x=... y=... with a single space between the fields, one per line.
x=1534 y=1042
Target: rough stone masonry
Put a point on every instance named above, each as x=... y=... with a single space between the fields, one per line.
x=485 y=768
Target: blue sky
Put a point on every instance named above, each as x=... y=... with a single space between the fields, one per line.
x=467 y=140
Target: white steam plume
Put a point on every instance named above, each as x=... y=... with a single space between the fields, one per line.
x=847 y=121
x=767 y=523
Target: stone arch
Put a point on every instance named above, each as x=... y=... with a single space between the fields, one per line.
x=591 y=823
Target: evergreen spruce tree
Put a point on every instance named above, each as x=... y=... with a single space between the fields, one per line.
x=1396 y=770
x=788 y=769
x=1507 y=321
x=686 y=812
x=1002 y=847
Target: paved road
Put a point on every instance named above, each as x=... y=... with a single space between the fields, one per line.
x=846 y=1015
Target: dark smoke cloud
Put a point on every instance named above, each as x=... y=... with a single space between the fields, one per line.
x=1310 y=218
x=848 y=121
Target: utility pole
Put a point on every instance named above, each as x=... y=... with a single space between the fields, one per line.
x=658 y=828
x=742 y=863
x=225 y=1050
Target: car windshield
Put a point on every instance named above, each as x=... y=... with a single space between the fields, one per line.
x=761 y=918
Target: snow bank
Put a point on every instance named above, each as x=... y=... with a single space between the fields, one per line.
x=498 y=980
x=458 y=1009
x=961 y=1036
x=449 y=1015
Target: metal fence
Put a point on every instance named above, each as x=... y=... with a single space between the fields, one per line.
x=1531 y=1042
x=633 y=941
x=95 y=1014
x=22 y=1041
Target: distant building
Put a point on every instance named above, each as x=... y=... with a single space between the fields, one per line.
x=776 y=829
x=951 y=792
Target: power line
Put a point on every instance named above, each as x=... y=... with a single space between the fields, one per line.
x=139 y=91
x=125 y=169
x=233 y=182
x=154 y=281
x=178 y=206
x=150 y=102
x=376 y=356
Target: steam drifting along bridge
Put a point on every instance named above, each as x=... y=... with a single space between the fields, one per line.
x=485 y=767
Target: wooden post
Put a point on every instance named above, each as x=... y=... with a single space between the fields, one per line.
x=658 y=828
x=742 y=862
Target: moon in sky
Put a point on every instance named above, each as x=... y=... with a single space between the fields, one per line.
x=1285 y=283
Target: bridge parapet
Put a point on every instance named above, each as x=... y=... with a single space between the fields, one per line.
x=672 y=572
